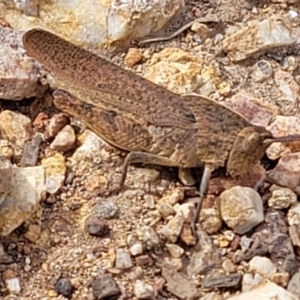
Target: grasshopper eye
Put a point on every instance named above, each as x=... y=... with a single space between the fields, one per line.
x=251 y=142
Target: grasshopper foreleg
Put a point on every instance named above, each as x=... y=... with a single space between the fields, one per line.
x=203 y=190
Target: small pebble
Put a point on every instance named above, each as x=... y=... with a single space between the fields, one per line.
x=7 y=151
x=13 y=285
x=144 y=260
x=262 y=266
x=289 y=63
x=210 y=220
x=222 y=281
x=95 y=226
x=294 y=285
x=175 y=250
x=148 y=236
x=40 y=120
x=31 y=151
x=106 y=209
x=186 y=211
x=172 y=230
x=178 y=285
x=186 y=177
x=267 y=290
x=33 y=233
x=16 y=128
x=56 y=124
x=250 y=281
x=55 y=170
x=150 y=201
x=205 y=256
x=262 y=71
x=64 y=140
x=293 y=215
x=281 y=279
x=136 y=273
x=186 y=235
x=241 y=208
x=64 y=287
x=123 y=259
x=105 y=286
x=133 y=56
x=289 y=152
x=201 y=30
x=165 y=209
x=143 y=290
x=293 y=15
x=282 y=198
x=172 y=196
x=52 y=294
x=136 y=249
x=95 y=183
x=285 y=173
x=228 y=266
x=8 y=274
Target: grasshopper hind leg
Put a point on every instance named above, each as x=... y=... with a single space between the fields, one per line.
x=141 y=157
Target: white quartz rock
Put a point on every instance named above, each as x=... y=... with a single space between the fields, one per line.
x=265 y=291
x=20 y=75
x=97 y=22
x=241 y=208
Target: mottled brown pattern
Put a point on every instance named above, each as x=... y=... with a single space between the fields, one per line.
x=130 y=133
x=135 y=114
x=155 y=125
x=106 y=86
x=92 y=74
x=220 y=128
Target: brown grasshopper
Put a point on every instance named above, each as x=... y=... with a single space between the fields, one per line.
x=153 y=124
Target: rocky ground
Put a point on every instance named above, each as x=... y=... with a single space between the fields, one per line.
x=61 y=238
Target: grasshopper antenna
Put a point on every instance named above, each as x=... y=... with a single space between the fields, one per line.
x=283 y=139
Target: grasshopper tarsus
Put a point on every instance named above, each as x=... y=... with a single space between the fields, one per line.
x=196 y=217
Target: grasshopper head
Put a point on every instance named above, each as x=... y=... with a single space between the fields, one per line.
x=248 y=148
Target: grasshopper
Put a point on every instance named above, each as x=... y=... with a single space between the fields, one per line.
x=153 y=124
